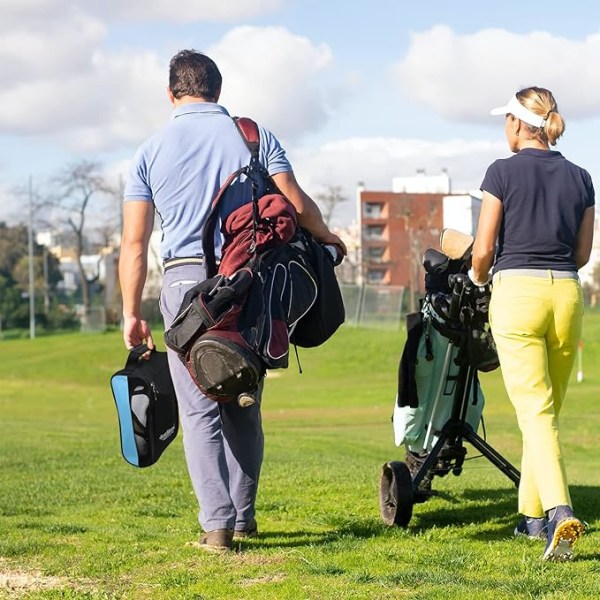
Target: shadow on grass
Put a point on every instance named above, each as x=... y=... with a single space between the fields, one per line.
x=495 y=510
x=480 y=505
x=342 y=530
x=586 y=501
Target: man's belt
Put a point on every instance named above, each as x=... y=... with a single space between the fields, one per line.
x=170 y=263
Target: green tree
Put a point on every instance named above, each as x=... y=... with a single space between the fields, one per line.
x=13 y=245
x=14 y=276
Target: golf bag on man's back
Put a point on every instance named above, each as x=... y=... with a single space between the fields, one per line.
x=274 y=283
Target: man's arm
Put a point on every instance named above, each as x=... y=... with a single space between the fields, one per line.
x=488 y=229
x=309 y=215
x=138 y=220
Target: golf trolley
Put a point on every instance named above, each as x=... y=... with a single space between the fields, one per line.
x=440 y=402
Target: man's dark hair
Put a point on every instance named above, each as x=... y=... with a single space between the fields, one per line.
x=192 y=73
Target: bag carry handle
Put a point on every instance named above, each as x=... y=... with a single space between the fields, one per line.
x=136 y=353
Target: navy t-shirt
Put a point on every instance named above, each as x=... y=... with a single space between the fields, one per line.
x=544 y=197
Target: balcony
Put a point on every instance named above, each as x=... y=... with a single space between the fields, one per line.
x=375 y=254
x=375 y=233
x=374 y=210
x=376 y=276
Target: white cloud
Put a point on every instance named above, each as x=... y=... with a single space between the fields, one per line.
x=33 y=12
x=63 y=83
x=116 y=99
x=184 y=10
x=49 y=50
x=272 y=75
x=462 y=76
x=376 y=161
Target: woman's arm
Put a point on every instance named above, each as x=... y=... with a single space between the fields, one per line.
x=585 y=237
x=488 y=229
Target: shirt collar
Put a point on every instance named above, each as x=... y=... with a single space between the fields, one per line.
x=540 y=152
x=198 y=107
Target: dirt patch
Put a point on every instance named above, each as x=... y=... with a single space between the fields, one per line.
x=276 y=578
x=17 y=583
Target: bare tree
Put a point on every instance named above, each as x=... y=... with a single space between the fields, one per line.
x=109 y=225
x=329 y=200
x=78 y=185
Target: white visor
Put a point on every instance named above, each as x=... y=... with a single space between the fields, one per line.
x=515 y=108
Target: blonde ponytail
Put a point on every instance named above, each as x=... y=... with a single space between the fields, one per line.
x=541 y=102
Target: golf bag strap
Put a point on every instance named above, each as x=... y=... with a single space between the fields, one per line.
x=248 y=130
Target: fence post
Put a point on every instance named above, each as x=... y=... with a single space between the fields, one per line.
x=359 y=303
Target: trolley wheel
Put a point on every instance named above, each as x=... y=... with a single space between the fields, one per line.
x=395 y=494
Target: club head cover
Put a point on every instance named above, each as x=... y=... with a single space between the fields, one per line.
x=455 y=244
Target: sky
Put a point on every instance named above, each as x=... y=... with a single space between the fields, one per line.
x=356 y=91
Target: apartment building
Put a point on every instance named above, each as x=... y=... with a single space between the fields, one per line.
x=396 y=227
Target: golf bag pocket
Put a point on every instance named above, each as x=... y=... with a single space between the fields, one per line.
x=327 y=313
x=146 y=407
x=223 y=368
x=436 y=376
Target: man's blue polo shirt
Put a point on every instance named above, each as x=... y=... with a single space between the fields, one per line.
x=182 y=167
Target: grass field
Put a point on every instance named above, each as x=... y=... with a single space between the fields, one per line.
x=76 y=521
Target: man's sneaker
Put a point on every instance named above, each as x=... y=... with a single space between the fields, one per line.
x=531 y=527
x=250 y=531
x=218 y=540
x=564 y=530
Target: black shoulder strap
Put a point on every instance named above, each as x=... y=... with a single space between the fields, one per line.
x=248 y=130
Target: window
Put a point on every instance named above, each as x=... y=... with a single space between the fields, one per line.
x=373 y=210
x=375 y=275
x=375 y=254
x=374 y=232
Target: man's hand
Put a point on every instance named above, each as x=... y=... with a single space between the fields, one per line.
x=136 y=331
x=335 y=240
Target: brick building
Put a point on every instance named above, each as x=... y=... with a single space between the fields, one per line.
x=396 y=230
x=397 y=227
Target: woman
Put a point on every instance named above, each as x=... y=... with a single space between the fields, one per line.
x=539 y=208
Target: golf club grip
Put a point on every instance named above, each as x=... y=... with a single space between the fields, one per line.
x=455 y=300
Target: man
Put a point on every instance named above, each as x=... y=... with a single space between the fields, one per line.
x=176 y=173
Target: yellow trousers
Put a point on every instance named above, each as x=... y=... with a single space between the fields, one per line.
x=536 y=323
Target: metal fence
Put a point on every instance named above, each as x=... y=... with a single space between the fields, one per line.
x=95 y=321
x=374 y=306
x=369 y=306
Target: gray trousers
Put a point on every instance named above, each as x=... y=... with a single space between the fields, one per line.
x=223 y=442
